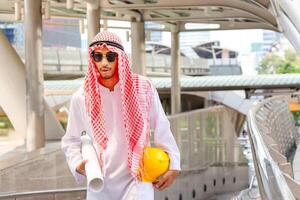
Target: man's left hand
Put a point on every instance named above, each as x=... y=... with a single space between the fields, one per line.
x=166 y=180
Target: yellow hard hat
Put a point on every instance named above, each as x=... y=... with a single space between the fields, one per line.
x=154 y=163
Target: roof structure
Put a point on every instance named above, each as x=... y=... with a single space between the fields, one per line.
x=225 y=14
x=178 y=15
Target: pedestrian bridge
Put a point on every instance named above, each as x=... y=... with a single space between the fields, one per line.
x=212 y=161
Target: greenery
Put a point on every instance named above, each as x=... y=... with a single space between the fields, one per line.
x=274 y=63
x=297 y=118
x=5 y=123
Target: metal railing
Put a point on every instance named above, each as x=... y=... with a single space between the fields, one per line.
x=273 y=140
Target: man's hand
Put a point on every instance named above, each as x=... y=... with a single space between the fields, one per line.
x=81 y=167
x=166 y=180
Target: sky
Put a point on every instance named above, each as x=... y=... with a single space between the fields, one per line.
x=238 y=40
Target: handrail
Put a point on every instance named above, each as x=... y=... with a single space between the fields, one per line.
x=42 y=192
x=271 y=180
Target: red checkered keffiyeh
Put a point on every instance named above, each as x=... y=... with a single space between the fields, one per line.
x=135 y=102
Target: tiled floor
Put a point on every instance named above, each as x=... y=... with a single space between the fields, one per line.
x=7 y=144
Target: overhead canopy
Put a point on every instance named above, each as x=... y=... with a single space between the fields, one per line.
x=220 y=15
x=179 y=15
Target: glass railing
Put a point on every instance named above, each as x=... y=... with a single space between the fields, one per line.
x=205 y=138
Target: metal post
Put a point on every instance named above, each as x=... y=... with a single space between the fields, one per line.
x=138 y=54
x=34 y=75
x=93 y=18
x=175 y=73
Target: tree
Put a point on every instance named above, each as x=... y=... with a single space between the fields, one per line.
x=273 y=63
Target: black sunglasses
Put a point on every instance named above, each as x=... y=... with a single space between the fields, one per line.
x=110 y=56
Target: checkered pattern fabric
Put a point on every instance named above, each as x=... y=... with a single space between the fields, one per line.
x=135 y=102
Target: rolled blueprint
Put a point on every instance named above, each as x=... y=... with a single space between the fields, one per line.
x=93 y=171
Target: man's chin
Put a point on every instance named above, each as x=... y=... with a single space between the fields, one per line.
x=106 y=77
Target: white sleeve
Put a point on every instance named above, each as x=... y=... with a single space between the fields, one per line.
x=163 y=137
x=71 y=143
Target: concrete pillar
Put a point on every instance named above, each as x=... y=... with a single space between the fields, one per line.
x=93 y=18
x=175 y=73
x=138 y=54
x=34 y=75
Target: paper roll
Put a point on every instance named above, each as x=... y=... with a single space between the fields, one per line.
x=92 y=168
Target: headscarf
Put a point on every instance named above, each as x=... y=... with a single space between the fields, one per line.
x=134 y=101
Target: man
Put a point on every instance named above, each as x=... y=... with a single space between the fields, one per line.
x=117 y=108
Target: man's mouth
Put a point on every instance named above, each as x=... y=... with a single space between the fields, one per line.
x=105 y=69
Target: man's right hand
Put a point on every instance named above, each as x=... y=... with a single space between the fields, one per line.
x=81 y=167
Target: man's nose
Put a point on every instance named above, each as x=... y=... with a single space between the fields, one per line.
x=104 y=61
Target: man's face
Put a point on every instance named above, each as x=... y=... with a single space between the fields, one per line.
x=107 y=65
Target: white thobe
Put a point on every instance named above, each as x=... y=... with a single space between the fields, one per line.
x=118 y=182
